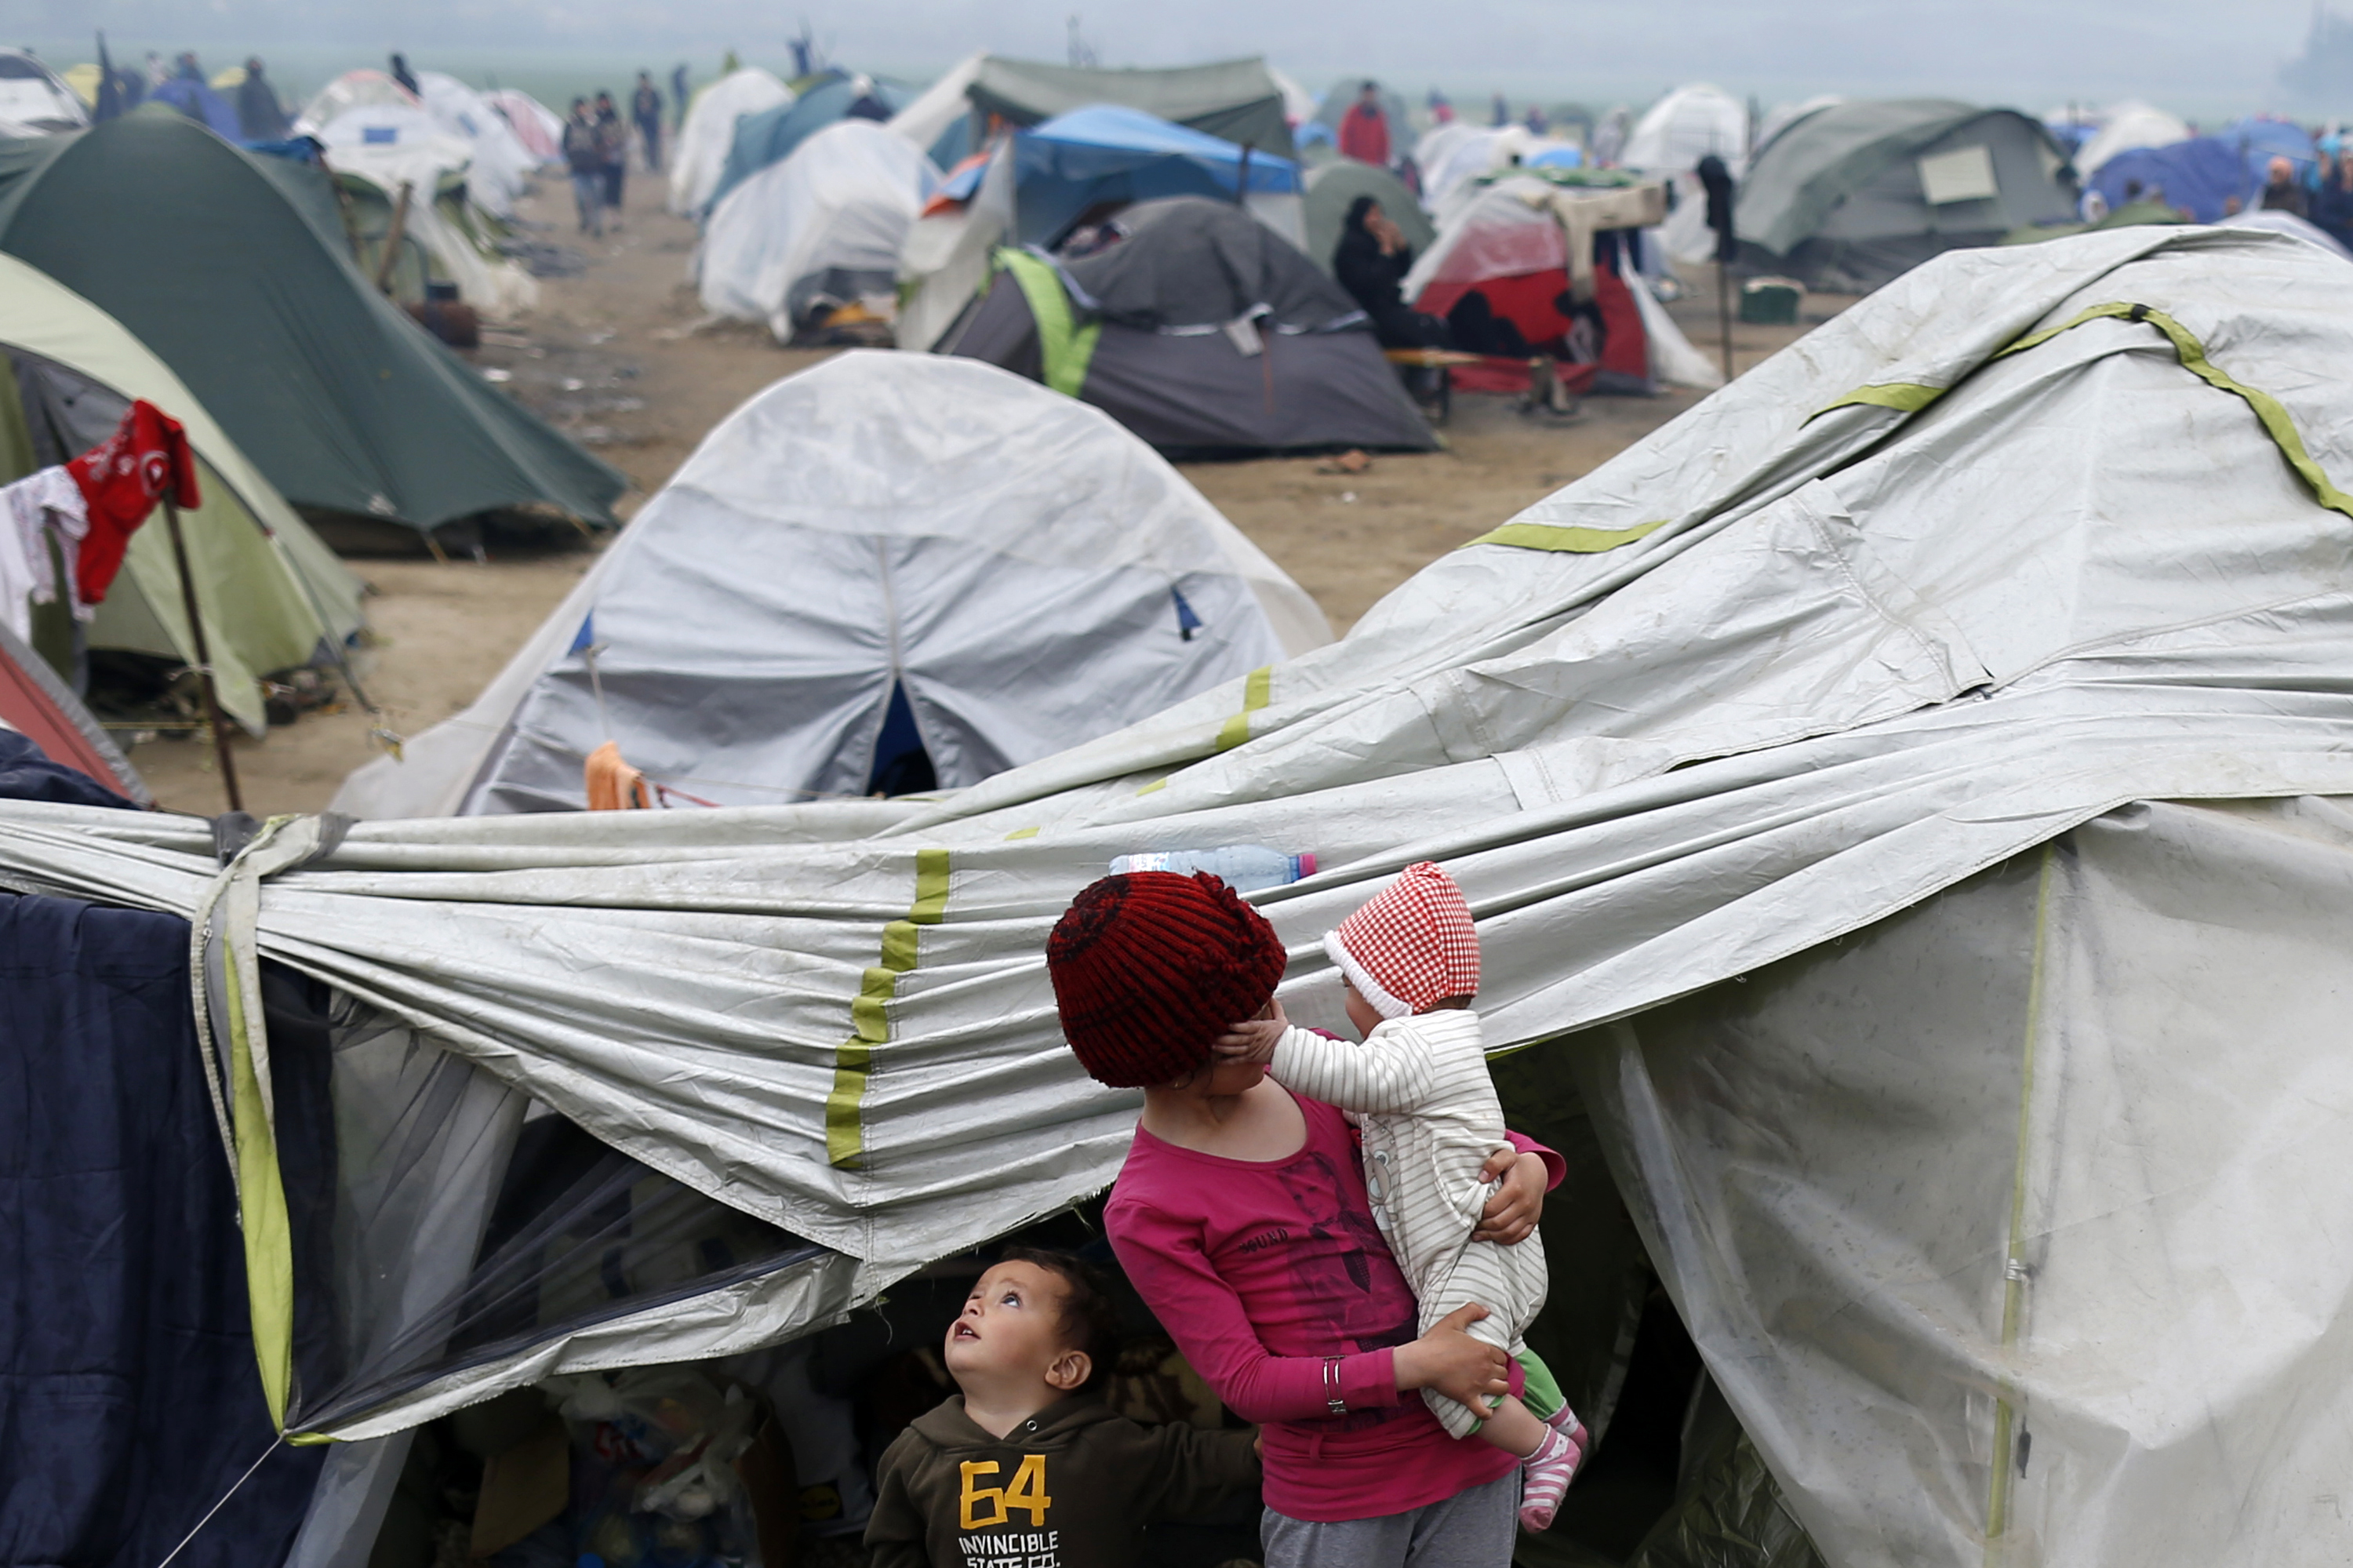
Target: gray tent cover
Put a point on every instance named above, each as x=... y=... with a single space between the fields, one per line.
x=1237 y=100
x=1217 y=333
x=1027 y=572
x=2002 y=1186
x=1838 y=197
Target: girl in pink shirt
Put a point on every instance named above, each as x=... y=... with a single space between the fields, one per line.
x=1241 y=1217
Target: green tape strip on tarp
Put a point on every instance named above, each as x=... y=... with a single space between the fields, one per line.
x=845 y=1107
x=1910 y=398
x=1576 y=541
x=1065 y=346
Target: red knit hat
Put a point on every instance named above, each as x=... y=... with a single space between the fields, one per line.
x=1150 y=967
x=1412 y=947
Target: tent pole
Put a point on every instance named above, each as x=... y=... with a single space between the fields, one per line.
x=392 y=238
x=1724 y=314
x=203 y=657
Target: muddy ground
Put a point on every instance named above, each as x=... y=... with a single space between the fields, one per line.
x=614 y=357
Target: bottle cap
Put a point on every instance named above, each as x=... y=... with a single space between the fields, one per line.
x=1305 y=861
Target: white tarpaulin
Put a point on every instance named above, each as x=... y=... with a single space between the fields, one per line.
x=2027 y=537
x=1011 y=558
x=824 y=226
x=709 y=132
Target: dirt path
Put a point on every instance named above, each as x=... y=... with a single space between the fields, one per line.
x=610 y=358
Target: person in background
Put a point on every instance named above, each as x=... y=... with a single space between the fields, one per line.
x=259 y=116
x=645 y=108
x=1371 y=262
x=2281 y=192
x=1539 y=125
x=677 y=96
x=1441 y=111
x=2332 y=203
x=158 y=73
x=1502 y=114
x=1365 y=128
x=583 y=153
x=613 y=137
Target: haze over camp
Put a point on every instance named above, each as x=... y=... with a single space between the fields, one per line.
x=1216 y=787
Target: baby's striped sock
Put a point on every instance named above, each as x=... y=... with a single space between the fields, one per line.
x=1545 y=1476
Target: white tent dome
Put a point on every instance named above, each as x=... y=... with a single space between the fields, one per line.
x=830 y=221
x=1686 y=126
x=1030 y=574
x=709 y=131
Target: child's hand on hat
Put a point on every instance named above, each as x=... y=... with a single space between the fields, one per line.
x=1252 y=1039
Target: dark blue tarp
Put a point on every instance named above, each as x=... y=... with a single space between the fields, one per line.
x=2200 y=175
x=770 y=136
x=129 y=1400
x=27 y=774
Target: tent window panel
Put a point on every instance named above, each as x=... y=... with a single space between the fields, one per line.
x=1965 y=174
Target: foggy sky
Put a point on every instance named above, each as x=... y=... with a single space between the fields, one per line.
x=2193 y=54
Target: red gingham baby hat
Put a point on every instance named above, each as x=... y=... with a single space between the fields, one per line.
x=1412 y=947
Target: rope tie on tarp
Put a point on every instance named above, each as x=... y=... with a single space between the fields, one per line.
x=224 y=978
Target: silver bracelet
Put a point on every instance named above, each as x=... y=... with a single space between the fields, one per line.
x=1332 y=1400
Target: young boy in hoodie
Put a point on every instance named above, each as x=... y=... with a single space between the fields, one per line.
x=1027 y=1467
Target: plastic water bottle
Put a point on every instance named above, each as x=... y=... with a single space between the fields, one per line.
x=1245 y=868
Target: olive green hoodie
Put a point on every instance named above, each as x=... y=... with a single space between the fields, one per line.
x=1073 y=1487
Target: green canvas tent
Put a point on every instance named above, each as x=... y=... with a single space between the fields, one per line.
x=1239 y=100
x=270 y=592
x=1331 y=188
x=1854 y=192
x=339 y=398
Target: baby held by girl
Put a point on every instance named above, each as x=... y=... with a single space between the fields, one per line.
x=1418 y=1089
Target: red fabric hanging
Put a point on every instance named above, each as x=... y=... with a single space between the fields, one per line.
x=121 y=478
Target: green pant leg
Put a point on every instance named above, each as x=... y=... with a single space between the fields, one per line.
x=1540 y=1393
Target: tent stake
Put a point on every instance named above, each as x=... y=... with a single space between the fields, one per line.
x=203 y=657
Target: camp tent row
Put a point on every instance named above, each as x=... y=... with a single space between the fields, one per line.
x=254 y=302
x=1902 y=800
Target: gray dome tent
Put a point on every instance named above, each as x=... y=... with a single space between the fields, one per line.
x=1853 y=194
x=1202 y=329
x=886 y=556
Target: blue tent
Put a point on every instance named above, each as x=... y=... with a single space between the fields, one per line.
x=770 y=136
x=2199 y=175
x=2260 y=140
x=1105 y=152
x=200 y=103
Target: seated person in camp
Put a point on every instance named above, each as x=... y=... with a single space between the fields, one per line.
x=1027 y=1463
x=1371 y=262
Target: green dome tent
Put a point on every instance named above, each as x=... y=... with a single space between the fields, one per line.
x=1855 y=193
x=1334 y=187
x=337 y=397
x=270 y=591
